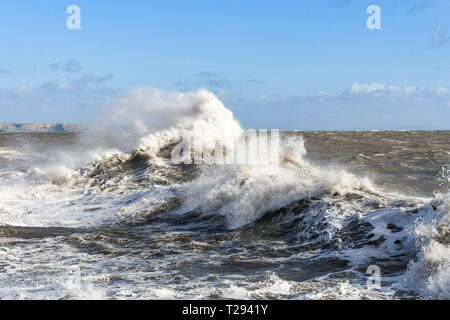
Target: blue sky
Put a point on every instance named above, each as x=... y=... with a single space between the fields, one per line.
x=304 y=65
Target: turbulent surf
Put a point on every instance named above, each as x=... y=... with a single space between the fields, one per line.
x=107 y=215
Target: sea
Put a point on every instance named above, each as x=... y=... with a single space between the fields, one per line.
x=341 y=215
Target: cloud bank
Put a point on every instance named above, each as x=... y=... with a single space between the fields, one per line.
x=362 y=106
x=373 y=106
x=63 y=99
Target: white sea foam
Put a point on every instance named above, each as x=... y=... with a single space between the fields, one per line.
x=430 y=271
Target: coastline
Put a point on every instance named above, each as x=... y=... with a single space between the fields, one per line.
x=41 y=128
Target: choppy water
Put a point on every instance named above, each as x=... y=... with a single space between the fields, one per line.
x=78 y=222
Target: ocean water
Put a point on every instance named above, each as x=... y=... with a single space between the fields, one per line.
x=108 y=216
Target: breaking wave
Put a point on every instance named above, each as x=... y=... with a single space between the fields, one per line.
x=316 y=228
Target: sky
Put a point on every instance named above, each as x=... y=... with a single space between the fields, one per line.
x=289 y=65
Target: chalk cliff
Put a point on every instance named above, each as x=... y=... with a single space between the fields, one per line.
x=40 y=127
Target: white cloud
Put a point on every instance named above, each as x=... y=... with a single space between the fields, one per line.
x=379 y=90
x=55 y=101
x=442 y=91
x=366 y=88
x=362 y=106
x=269 y=98
x=439 y=36
x=359 y=96
x=62 y=84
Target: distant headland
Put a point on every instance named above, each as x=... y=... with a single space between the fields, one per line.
x=41 y=127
